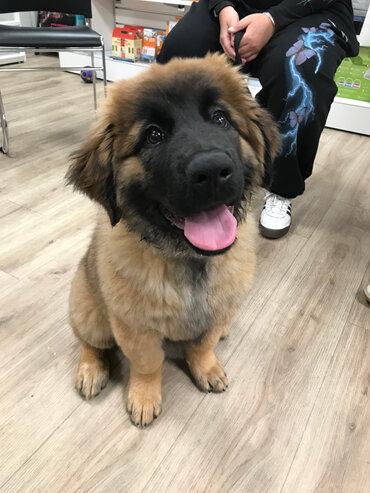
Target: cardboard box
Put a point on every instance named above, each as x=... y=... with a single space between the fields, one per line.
x=127 y=43
x=152 y=44
x=161 y=35
x=353 y=76
x=148 y=51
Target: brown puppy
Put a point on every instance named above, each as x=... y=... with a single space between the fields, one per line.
x=172 y=159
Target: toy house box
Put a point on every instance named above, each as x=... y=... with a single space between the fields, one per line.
x=127 y=42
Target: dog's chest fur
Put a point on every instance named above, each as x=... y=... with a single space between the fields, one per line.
x=182 y=298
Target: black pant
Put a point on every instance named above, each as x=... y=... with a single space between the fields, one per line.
x=296 y=70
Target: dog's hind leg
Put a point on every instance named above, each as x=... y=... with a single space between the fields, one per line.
x=93 y=371
x=144 y=350
x=206 y=369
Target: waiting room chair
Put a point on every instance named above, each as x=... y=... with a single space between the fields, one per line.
x=49 y=39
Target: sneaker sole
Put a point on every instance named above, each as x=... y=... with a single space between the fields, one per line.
x=273 y=234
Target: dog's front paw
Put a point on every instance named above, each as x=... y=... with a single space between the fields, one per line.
x=91 y=377
x=144 y=400
x=208 y=372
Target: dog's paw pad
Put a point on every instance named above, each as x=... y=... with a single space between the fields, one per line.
x=91 y=378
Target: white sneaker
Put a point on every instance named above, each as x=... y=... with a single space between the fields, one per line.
x=276 y=216
x=367 y=293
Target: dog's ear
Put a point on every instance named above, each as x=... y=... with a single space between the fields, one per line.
x=271 y=143
x=91 y=171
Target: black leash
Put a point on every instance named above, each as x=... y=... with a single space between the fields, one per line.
x=237 y=40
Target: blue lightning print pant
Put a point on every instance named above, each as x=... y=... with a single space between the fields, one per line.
x=296 y=70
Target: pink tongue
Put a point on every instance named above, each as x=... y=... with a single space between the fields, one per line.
x=211 y=230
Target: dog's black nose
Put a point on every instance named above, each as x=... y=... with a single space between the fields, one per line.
x=210 y=173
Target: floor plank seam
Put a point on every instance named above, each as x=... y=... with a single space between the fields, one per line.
x=9 y=274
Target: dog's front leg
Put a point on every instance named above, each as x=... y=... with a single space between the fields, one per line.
x=206 y=369
x=144 y=350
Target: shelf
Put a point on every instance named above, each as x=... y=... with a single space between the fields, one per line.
x=12 y=57
x=116 y=69
x=352 y=102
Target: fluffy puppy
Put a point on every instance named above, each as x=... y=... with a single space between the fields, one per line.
x=172 y=160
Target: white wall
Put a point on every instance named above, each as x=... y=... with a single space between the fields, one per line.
x=103 y=20
x=28 y=18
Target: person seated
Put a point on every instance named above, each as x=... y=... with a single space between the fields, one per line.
x=294 y=47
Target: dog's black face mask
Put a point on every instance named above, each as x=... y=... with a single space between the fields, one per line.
x=197 y=177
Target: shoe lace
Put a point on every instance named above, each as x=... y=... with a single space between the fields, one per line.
x=276 y=205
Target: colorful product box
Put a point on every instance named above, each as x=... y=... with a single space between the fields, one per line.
x=160 y=40
x=127 y=42
x=148 y=51
x=353 y=76
x=152 y=44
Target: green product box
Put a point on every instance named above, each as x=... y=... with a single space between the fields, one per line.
x=353 y=76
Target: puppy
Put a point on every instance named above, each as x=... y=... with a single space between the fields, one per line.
x=172 y=160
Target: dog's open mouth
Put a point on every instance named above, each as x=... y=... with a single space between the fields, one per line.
x=211 y=231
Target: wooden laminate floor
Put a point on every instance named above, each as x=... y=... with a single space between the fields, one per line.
x=296 y=417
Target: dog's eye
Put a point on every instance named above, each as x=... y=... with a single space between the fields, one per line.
x=154 y=135
x=220 y=119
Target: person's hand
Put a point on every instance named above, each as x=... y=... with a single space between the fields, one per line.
x=258 y=31
x=228 y=17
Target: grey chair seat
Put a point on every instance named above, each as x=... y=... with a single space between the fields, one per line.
x=49 y=37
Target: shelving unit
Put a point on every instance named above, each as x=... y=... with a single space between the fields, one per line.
x=150 y=13
x=345 y=114
x=350 y=115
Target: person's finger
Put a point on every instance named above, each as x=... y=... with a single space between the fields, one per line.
x=242 y=24
x=232 y=37
x=250 y=58
x=225 y=41
x=231 y=44
x=248 y=54
x=245 y=51
x=228 y=52
x=247 y=48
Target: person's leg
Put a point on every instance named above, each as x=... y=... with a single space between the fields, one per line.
x=196 y=34
x=296 y=70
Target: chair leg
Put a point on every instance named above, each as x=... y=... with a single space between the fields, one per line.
x=4 y=125
x=104 y=69
x=94 y=79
